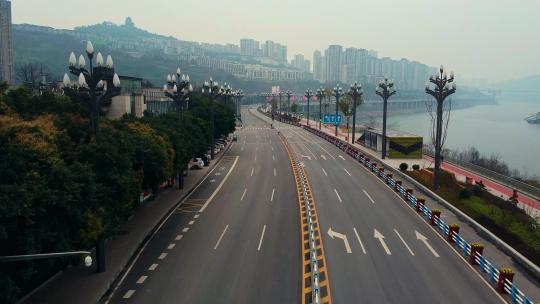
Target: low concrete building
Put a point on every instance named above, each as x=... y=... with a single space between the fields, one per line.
x=398 y=144
x=131 y=99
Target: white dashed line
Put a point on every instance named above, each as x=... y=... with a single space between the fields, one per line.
x=185 y=229
x=153 y=267
x=222 y=234
x=324 y=171
x=359 y=240
x=402 y=240
x=178 y=237
x=243 y=194
x=275 y=172
x=347 y=172
x=128 y=294
x=341 y=157
x=339 y=197
x=368 y=196
x=171 y=246
x=252 y=170
x=262 y=236
x=162 y=256
x=191 y=223
x=142 y=279
x=273 y=157
x=196 y=216
x=272 y=197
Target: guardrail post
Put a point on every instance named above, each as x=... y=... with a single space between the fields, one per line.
x=409 y=193
x=388 y=178
x=373 y=167
x=435 y=213
x=420 y=201
x=454 y=228
x=504 y=274
x=476 y=249
x=398 y=184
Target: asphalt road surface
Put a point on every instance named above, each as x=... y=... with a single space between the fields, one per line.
x=377 y=249
x=236 y=239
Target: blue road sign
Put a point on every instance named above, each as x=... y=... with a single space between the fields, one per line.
x=332 y=119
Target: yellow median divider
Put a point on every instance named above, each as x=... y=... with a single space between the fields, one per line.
x=315 y=282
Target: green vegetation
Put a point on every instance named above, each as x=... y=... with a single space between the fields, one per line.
x=403 y=166
x=507 y=221
x=60 y=190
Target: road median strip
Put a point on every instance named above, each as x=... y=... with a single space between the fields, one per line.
x=315 y=282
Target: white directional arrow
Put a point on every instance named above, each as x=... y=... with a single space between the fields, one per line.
x=323 y=157
x=341 y=157
x=307 y=156
x=333 y=234
x=422 y=238
x=380 y=237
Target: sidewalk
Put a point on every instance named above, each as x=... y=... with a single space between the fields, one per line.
x=80 y=284
x=529 y=204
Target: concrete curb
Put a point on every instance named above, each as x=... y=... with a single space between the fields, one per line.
x=527 y=264
x=111 y=285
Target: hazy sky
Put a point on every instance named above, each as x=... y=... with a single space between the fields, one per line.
x=491 y=39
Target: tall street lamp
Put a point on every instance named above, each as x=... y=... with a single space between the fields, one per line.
x=320 y=95
x=280 y=94
x=385 y=89
x=238 y=95
x=337 y=93
x=212 y=90
x=356 y=93
x=288 y=94
x=443 y=87
x=178 y=89
x=95 y=86
x=308 y=95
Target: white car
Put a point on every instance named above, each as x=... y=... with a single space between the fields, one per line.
x=196 y=163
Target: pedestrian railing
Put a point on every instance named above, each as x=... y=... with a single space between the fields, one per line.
x=501 y=277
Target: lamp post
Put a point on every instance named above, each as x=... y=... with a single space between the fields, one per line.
x=178 y=89
x=238 y=95
x=95 y=86
x=356 y=93
x=337 y=93
x=212 y=90
x=289 y=94
x=443 y=87
x=320 y=95
x=308 y=95
x=385 y=89
x=280 y=94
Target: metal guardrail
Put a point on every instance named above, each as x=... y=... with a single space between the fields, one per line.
x=523 y=187
x=465 y=248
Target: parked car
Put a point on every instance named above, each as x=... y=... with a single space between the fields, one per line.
x=206 y=159
x=196 y=163
x=235 y=136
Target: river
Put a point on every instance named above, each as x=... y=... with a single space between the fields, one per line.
x=496 y=128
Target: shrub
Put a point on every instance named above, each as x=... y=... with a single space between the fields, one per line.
x=465 y=193
x=477 y=190
x=403 y=166
x=416 y=167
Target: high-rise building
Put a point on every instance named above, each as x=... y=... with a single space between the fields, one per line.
x=274 y=51
x=300 y=63
x=6 y=49
x=249 y=47
x=350 y=65
x=317 y=66
x=334 y=63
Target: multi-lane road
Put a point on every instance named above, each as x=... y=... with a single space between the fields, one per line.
x=236 y=239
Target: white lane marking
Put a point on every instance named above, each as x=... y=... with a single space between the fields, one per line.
x=422 y=238
x=242 y=149
x=219 y=186
x=324 y=171
x=404 y=243
x=252 y=170
x=323 y=157
x=272 y=148
x=142 y=279
x=368 y=196
x=275 y=172
x=273 y=157
x=196 y=216
x=128 y=294
x=185 y=230
x=255 y=157
x=320 y=146
x=272 y=197
x=380 y=237
x=178 y=237
x=341 y=157
x=191 y=223
x=153 y=267
x=341 y=236
x=347 y=172
x=262 y=236
x=339 y=197
x=162 y=256
x=171 y=246
x=359 y=241
x=314 y=157
x=222 y=234
x=243 y=194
